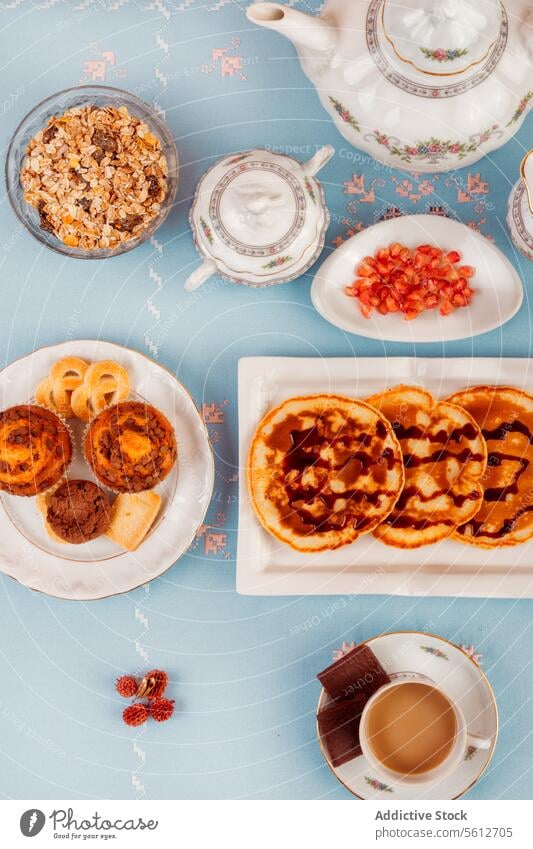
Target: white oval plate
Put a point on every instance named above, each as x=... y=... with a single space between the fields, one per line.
x=462 y=679
x=498 y=288
x=101 y=568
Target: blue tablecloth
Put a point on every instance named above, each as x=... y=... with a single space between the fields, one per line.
x=242 y=672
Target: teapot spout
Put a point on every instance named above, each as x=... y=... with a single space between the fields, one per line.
x=303 y=30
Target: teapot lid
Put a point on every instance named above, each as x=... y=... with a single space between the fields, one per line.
x=441 y=37
x=260 y=216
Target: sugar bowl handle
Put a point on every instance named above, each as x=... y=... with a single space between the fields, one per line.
x=321 y=157
x=198 y=277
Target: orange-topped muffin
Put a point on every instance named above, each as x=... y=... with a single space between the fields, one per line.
x=35 y=449
x=130 y=447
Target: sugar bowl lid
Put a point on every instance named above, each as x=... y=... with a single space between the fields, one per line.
x=259 y=217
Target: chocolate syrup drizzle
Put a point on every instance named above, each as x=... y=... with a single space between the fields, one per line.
x=304 y=453
x=400 y=520
x=413 y=432
x=500 y=493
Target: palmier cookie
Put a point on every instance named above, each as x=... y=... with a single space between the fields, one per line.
x=55 y=391
x=35 y=449
x=105 y=383
x=130 y=447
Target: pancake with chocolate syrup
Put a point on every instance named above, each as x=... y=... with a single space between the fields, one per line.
x=444 y=456
x=505 y=416
x=323 y=469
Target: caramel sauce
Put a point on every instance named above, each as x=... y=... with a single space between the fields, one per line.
x=500 y=493
x=509 y=477
x=319 y=460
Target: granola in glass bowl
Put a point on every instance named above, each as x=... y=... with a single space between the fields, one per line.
x=92 y=172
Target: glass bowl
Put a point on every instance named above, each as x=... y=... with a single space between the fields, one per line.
x=57 y=104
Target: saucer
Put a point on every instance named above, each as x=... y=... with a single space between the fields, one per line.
x=451 y=668
x=100 y=568
x=497 y=287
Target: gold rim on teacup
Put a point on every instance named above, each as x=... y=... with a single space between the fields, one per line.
x=528 y=186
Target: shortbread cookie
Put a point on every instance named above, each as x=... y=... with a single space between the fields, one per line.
x=132 y=516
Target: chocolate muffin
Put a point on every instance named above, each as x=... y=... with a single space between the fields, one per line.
x=78 y=511
x=131 y=447
x=35 y=449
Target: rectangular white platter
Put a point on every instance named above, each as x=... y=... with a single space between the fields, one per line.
x=266 y=566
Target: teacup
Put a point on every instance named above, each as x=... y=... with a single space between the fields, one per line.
x=413 y=732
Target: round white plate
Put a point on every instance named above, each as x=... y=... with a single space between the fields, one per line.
x=498 y=288
x=462 y=679
x=101 y=568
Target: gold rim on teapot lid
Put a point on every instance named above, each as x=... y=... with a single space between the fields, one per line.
x=438 y=14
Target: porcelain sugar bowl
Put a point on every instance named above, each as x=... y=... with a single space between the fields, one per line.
x=424 y=85
x=520 y=209
x=259 y=218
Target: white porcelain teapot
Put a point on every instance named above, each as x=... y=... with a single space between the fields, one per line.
x=424 y=85
x=259 y=218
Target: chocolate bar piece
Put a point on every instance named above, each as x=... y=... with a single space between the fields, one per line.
x=338 y=726
x=359 y=671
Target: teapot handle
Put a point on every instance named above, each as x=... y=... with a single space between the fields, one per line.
x=313 y=165
x=198 y=277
